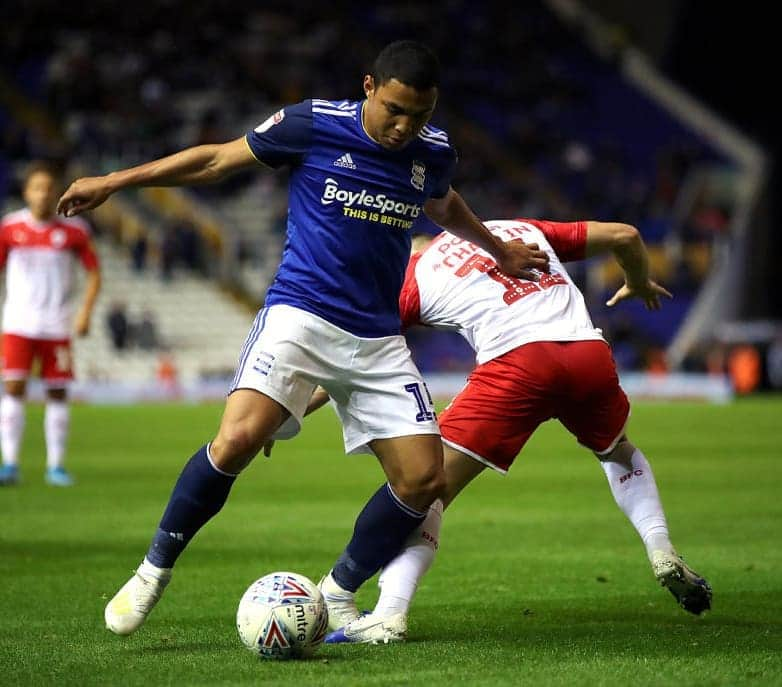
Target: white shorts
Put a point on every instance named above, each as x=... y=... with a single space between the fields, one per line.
x=374 y=384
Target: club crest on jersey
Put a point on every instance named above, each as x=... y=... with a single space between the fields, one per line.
x=418 y=175
x=276 y=118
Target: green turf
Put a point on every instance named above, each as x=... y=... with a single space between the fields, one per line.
x=540 y=579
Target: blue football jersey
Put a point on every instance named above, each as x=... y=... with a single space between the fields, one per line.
x=351 y=205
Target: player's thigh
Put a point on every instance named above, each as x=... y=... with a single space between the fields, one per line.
x=282 y=358
x=18 y=353
x=596 y=409
x=249 y=420
x=382 y=396
x=503 y=403
x=56 y=361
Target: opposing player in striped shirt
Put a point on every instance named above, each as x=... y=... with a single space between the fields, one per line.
x=38 y=249
x=538 y=357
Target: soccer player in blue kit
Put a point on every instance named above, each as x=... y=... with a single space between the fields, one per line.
x=361 y=172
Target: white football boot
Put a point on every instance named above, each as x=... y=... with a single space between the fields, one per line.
x=691 y=591
x=371 y=629
x=131 y=605
x=340 y=602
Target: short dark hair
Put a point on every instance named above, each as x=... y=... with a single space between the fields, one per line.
x=410 y=62
x=50 y=167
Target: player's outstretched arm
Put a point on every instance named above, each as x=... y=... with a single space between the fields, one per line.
x=625 y=242
x=515 y=258
x=204 y=164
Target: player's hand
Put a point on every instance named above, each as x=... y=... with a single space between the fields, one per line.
x=82 y=324
x=649 y=293
x=83 y=194
x=267 y=448
x=519 y=259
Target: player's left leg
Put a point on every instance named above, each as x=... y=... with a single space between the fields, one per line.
x=56 y=423
x=486 y=425
x=399 y=579
x=414 y=468
x=57 y=373
x=597 y=412
x=633 y=486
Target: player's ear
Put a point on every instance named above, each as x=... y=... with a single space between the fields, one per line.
x=369 y=85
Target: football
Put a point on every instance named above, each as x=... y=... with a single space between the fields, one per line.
x=282 y=615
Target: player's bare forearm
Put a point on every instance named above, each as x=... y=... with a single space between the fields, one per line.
x=204 y=164
x=453 y=214
x=624 y=241
x=91 y=292
x=629 y=250
x=514 y=258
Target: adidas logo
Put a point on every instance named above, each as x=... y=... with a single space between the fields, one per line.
x=345 y=161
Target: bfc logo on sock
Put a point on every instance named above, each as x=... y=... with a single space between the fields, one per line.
x=177 y=535
x=634 y=473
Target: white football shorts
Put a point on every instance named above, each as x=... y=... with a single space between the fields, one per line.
x=374 y=384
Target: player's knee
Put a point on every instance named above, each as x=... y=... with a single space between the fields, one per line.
x=235 y=446
x=621 y=453
x=15 y=387
x=420 y=490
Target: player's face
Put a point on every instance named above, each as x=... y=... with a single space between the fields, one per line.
x=395 y=113
x=40 y=194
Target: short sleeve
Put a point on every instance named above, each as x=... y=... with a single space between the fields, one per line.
x=568 y=239
x=443 y=181
x=284 y=137
x=409 y=297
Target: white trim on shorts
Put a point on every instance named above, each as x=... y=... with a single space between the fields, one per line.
x=474 y=455
x=613 y=444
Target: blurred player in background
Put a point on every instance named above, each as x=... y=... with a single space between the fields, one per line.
x=538 y=357
x=37 y=249
x=361 y=172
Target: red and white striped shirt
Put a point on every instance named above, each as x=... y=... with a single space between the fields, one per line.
x=38 y=257
x=453 y=284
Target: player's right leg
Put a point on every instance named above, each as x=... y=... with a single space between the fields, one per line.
x=249 y=420
x=264 y=389
x=56 y=373
x=18 y=354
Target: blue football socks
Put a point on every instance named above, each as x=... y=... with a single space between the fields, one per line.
x=379 y=533
x=198 y=495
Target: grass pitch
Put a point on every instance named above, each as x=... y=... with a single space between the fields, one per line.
x=540 y=580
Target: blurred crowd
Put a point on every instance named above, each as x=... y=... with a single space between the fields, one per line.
x=542 y=126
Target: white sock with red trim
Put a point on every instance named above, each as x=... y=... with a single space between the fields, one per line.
x=399 y=579
x=56 y=423
x=12 y=416
x=635 y=492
